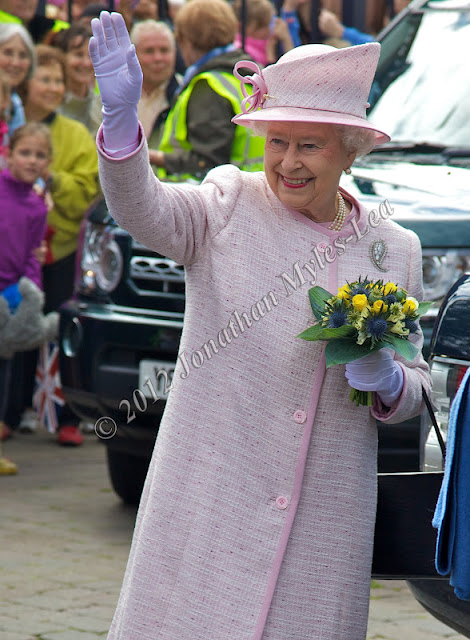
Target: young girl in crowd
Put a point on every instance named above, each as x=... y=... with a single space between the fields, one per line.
x=72 y=185
x=264 y=31
x=22 y=228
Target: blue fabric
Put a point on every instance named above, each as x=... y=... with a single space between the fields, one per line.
x=292 y=20
x=199 y=64
x=13 y=296
x=17 y=118
x=354 y=36
x=452 y=514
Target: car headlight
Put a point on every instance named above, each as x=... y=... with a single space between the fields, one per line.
x=447 y=374
x=441 y=270
x=101 y=261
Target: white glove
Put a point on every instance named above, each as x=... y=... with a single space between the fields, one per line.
x=119 y=78
x=377 y=372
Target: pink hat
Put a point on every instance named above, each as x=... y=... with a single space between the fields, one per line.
x=312 y=83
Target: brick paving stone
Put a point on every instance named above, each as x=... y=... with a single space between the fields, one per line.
x=396 y=615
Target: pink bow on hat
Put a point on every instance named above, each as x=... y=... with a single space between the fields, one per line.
x=254 y=100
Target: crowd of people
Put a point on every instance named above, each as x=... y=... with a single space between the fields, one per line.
x=189 y=97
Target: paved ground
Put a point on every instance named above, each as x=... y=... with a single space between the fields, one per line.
x=64 y=545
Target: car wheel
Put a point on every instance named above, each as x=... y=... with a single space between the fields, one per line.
x=127 y=474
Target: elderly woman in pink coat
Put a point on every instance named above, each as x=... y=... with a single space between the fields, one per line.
x=257 y=517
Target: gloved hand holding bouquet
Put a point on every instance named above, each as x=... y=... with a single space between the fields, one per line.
x=363 y=323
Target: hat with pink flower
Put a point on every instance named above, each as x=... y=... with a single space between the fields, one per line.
x=312 y=83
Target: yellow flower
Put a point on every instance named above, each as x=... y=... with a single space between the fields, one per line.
x=410 y=305
x=399 y=328
x=395 y=312
x=344 y=293
x=378 y=306
x=361 y=338
x=389 y=288
x=359 y=301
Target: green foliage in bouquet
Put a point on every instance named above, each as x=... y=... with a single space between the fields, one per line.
x=363 y=317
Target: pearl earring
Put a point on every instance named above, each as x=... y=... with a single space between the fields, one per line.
x=347 y=171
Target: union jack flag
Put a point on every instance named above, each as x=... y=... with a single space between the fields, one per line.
x=48 y=396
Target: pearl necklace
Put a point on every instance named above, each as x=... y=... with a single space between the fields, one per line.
x=340 y=214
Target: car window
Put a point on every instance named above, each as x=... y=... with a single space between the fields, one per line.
x=421 y=92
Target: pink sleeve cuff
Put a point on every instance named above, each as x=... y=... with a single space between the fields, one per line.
x=119 y=154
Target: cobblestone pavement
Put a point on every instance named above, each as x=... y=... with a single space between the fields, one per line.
x=64 y=546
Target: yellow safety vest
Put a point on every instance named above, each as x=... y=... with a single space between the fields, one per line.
x=247 y=149
x=10 y=18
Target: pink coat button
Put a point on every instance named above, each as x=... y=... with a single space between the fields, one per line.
x=282 y=502
x=300 y=416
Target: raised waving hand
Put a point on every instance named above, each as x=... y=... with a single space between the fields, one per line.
x=119 y=78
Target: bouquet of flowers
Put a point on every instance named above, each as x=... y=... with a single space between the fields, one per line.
x=362 y=317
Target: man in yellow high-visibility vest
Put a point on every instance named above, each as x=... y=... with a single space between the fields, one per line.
x=198 y=134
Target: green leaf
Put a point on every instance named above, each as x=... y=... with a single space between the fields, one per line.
x=311 y=333
x=331 y=333
x=343 y=351
x=424 y=308
x=402 y=346
x=318 y=297
x=318 y=332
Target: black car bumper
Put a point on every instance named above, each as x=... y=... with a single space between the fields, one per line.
x=100 y=353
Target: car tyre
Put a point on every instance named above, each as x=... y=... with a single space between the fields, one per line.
x=127 y=474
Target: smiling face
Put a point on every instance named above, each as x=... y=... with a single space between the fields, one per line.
x=79 y=69
x=157 y=57
x=29 y=158
x=15 y=60
x=303 y=165
x=46 y=91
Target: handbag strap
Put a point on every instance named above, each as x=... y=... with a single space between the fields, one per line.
x=440 y=439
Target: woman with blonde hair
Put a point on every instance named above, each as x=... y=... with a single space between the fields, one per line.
x=264 y=31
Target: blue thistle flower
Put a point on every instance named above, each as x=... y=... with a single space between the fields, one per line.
x=390 y=299
x=376 y=327
x=359 y=290
x=411 y=325
x=337 y=319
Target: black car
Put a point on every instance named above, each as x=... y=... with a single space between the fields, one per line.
x=449 y=361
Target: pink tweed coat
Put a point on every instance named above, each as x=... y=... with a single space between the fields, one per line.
x=257 y=516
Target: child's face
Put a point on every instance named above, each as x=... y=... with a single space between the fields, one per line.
x=29 y=159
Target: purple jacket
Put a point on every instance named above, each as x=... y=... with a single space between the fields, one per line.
x=23 y=216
